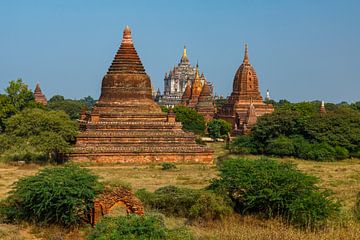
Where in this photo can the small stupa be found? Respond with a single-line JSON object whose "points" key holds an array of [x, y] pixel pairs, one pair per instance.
{"points": [[39, 96]]}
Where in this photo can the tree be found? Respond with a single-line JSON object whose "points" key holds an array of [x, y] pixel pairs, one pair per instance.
{"points": [[190, 119], [71, 107], [89, 101], [40, 132], [218, 128]]}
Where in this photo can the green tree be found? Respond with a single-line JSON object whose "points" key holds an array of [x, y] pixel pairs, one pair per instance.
{"points": [[190, 119], [218, 128], [71, 107], [47, 133]]}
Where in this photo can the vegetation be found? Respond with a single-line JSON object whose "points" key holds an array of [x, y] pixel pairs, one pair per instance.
{"points": [[218, 128], [357, 207], [190, 119], [300, 130], [198, 205], [136, 227], [168, 166], [37, 135], [57, 195], [273, 189]]}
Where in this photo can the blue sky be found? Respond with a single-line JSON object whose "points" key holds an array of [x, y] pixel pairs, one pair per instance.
{"points": [[301, 50]]}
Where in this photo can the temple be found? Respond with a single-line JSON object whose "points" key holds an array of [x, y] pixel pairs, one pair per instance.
{"points": [[176, 79], [39, 96], [126, 125], [245, 103]]}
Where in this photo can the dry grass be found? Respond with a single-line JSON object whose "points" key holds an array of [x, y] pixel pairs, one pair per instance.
{"points": [[342, 177]]}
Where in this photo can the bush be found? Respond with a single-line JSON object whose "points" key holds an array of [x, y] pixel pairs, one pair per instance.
{"points": [[218, 128], [57, 195], [281, 146], [135, 227], [182, 202], [190, 119], [168, 166], [243, 144], [271, 189]]}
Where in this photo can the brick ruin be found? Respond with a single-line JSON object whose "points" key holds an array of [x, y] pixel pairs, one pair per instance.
{"points": [[110, 199], [245, 103], [39, 96], [126, 125]]}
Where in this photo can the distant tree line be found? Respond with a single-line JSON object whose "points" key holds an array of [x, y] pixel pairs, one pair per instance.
{"points": [[300, 130]]}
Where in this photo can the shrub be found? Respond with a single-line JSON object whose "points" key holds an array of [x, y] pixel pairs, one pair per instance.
{"points": [[243, 144], [341, 152], [272, 189], [281, 146], [135, 227], [190, 119], [57, 195], [168, 166], [321, 152], [182, 202], [218, 128]]}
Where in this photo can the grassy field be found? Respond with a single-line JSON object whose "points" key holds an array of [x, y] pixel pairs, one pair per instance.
{"points": [[342, 177]]}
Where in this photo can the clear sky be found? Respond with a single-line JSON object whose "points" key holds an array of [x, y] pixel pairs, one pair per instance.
{"points": [[302, 50]]}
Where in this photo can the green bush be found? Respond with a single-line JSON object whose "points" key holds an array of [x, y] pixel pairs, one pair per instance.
{"points": [[133, 227], [57, 195], [218, 128], [199, 205], [271, 189], [243, 144], [190, 119], [168, 166], [281, 146]]}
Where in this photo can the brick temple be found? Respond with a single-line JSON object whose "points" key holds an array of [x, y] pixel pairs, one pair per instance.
{"points": [[245, 103], [39, 96], [126, 125]]}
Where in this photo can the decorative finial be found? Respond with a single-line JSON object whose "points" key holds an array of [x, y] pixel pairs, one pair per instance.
{"points": [[127, 39], [246, 56], [322, 108], [184, 52], [267, 94]]}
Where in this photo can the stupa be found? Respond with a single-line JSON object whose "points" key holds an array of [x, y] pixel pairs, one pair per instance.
{"points": [[126, 125], [39, 96], [205, 105], [245, 103]]}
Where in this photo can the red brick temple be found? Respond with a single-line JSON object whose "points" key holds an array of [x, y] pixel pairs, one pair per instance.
{"points": [[245, 103], [205, 105], [126, 125], [39, 96]]}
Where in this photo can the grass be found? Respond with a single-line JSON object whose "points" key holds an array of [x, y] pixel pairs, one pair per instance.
{"points": [[342, 177]]}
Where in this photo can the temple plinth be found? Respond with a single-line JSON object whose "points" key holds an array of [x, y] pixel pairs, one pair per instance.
{"points": [[126, 125], [39, 96], [245, 103]]}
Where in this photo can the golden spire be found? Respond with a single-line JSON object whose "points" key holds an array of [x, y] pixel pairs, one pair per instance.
{"points": [[184, 53], [197, 71], [246, 56]]}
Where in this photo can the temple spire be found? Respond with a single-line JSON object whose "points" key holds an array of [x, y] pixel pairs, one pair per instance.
{"points": [[184, 52], [127, 39], [184, 58], [246, 56]]}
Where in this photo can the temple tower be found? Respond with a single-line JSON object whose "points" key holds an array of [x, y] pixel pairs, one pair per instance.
{"points": [[245, 95], [196, 88], [205, 105], [126, 125], [39, 96]]}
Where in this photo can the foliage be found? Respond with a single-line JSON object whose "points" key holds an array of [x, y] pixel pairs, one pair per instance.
{"points": [[136, 227], [218, 128], [300, 130], [37, 132], [190, 119], [57, 195], [183, 202], [271, 189], [18, 97], [168, 166], [71, 107]]}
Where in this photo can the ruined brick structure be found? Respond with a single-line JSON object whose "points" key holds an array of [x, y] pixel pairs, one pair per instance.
{"points": [[126, 125], [245, 103], [39, 96], [110, 199]]}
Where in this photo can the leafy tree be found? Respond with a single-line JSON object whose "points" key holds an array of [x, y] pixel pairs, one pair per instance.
{"points": [[38, 131], [190, 119], [56, 98], [218, 128], [270, 189], [89, 101], [71, 107], [57, 195], [281, 146]]}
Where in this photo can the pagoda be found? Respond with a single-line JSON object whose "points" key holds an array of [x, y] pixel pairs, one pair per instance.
{"points": [[205, 105], [126, 125], [39, 96], [245, 103]]}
